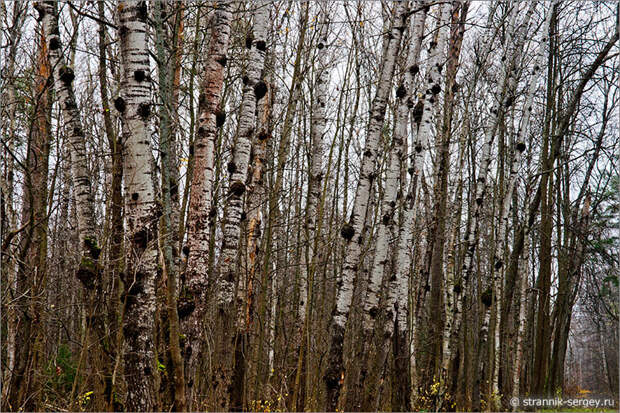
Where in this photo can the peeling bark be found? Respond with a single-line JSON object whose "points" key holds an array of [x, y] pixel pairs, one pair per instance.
{"points": [[192, 300]]}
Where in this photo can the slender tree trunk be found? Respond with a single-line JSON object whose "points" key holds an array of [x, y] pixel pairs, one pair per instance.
{"points": [[229, 271], [88, 272], [558, 137], [141, 209], [373, 363], [314, 206], [169, 243], [114, 265], [192, 304], [9, 215], [25, 387], [515, 164], [352, 231], [458, 16]]}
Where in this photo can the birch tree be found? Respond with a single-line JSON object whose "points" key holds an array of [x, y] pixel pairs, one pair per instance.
{"points": [[141, 210], [352, 232], [192, 301]]}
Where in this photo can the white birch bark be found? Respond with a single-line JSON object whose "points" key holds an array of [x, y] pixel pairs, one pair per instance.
{"points": [[523, 286], [397, 300], [506, 85], [397, 156], [316, 162], [141, 212], [353, 230], [8, 123], [459, 286], [254, 90], [63, 77], [515, 165], [192, 301]]}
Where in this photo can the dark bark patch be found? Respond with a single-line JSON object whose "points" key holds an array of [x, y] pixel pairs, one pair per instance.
{"points": [[245, 80], [174, 189], [237, 188], [66, 75], [87, 272], [418, 148], [93, 249], [134, 196], [457, 288], [220, 118], [202, 101], [373, 312], [479, 201], [320, 46], [261, 45], [122, 31], [222, 60], [520, 146], [436, 89], [144, 110], [499, 264], [386, 219], [119, 104], [232, 167], [77, 131], [414, 69], [139, 75], [54, 43], [185, 250], [243, 216], [260, 89], [185, 308], [418, 110], [263, 135], [487, 297], [401, 91], [248, 41], [140, 239], [41, 10], [136, 288], [347, 231], [142, 11], [70, 104]]}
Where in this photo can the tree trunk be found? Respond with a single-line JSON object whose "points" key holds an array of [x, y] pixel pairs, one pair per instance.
{"points": [[192, 301], [169, 185], [141, 210], [352, 231], [25, 387], [314, 206], [229, 272]]}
